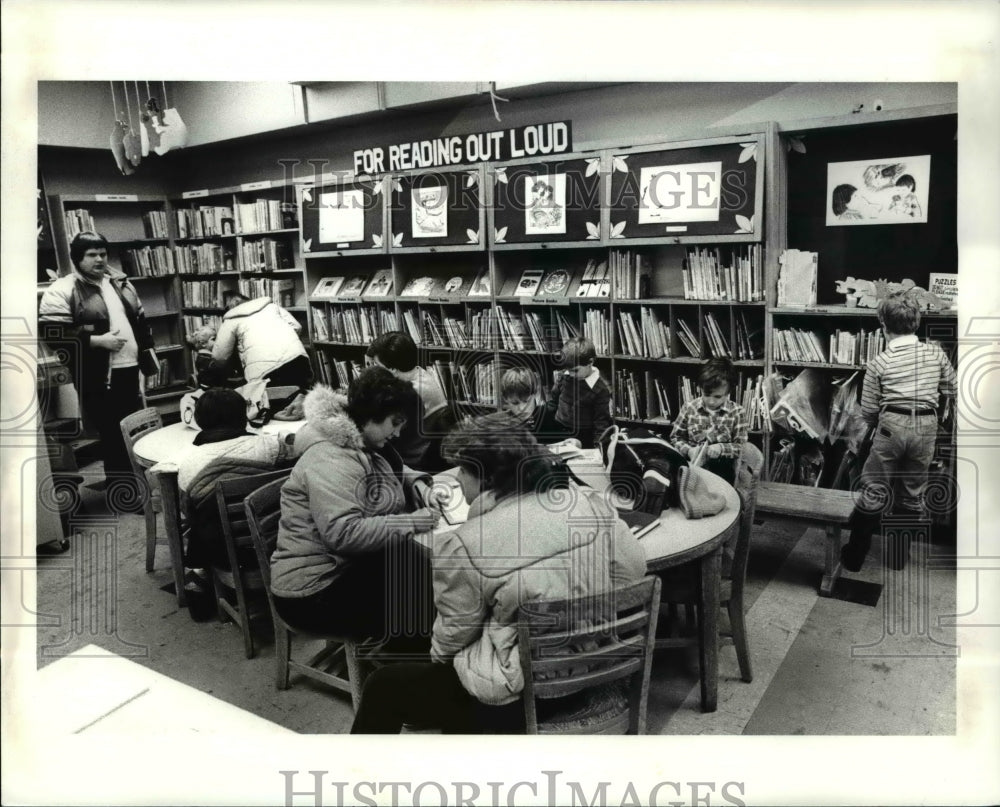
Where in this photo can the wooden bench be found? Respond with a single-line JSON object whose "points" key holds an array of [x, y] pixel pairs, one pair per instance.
{"points": [[831, 508]]}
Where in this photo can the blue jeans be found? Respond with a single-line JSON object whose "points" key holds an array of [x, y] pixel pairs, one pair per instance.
{"points": [[893, 478]]}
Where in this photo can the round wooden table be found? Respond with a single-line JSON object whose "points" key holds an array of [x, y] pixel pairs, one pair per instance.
{"points": [[678, 540], [161, 451]]}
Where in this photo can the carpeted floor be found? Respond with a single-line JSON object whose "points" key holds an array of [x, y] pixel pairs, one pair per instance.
{"points": [[875, 661]]}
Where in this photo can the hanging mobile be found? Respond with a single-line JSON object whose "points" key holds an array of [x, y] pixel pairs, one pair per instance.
{"points": [[173, 133], [151, 120], [133, 148], [143, 132], [118, 131]]}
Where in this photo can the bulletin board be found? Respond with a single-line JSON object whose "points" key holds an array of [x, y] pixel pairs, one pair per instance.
{"points": [[556, 201], [343, 216], [882, 239], [693, 191], [436, 208]]}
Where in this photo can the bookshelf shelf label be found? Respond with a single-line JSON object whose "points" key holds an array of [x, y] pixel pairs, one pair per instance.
{"points": [[116, 197], [194, 194], [256, 186]]}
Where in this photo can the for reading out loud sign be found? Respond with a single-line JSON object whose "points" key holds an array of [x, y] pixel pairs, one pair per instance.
{"points": [[504, 144]]}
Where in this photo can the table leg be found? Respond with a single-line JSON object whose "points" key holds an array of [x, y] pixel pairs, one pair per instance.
{"points": [[170, 494], [708, 638], [833, 567]]}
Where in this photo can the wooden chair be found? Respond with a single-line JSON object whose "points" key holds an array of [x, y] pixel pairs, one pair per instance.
{"points": [[586, 661], [680, 586], [133, 427], [263, 510], [243, 576]]}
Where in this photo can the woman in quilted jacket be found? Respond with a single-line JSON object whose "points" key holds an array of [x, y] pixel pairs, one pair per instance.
{"points": [[532, 534]]}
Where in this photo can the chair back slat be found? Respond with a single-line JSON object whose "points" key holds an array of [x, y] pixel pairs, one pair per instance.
{"points": [[586, 645], [263, 510], [230, 494], [137, 425]]}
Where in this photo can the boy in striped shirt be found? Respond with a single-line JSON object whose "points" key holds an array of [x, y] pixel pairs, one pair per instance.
{"points": [[900, 397]]}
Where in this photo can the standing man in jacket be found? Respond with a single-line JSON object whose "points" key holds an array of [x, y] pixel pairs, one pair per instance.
{"points": [[96, 315]]}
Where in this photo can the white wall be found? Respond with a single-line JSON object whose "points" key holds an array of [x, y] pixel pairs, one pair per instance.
{"points": [[80, 113]]}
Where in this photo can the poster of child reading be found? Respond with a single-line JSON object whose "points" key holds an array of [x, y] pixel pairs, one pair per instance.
{"points": [[429, 217], [891, 190], [545, 212]]}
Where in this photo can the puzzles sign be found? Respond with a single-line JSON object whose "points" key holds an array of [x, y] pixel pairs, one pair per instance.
{"points": [[536, 140]]}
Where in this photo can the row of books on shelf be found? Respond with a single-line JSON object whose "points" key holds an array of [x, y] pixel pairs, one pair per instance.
{"points": [[192, 322], [330, 288], [161, 379], [201, 222], [352, 325], [203, 294], [641, 395], [203, 259], [630, 272], [78, 221], [840, 347], [154, 224], [337, 373], [265, 255], [597, 328], [281, 291], [594, 282], [148, 261], [471, 383], [262, 215], [707, 277]]}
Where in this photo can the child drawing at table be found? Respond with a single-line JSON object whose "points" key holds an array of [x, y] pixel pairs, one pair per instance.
{"points": [[712, 428]]}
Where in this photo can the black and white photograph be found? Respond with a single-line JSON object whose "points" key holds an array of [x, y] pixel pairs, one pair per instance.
{"points": [[316, 494]]}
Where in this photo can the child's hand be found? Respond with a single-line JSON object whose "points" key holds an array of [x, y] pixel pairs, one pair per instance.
{"points": [[425, 520], [714, 451]]}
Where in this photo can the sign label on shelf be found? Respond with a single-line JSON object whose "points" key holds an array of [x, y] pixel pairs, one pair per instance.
{"points": [[116, 197], [194, 194], [256, 186]]}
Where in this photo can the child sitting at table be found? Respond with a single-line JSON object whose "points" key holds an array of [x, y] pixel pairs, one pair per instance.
{"points": [[582, 398], [224, 450], [519, 398], [712, 427]]}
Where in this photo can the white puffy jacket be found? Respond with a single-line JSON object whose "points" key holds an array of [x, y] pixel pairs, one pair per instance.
{"points": [[263, 334]]}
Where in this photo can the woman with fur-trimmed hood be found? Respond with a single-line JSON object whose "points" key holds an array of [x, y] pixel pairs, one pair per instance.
{"points": [[348, 517]]}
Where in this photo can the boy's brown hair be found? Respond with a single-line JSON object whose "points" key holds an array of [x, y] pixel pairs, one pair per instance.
{"points": [[518, 384], [578, 351], [899, 313]]}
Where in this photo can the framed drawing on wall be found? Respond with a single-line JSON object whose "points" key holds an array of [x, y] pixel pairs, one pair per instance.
{"points": [[556, 201], [341, 216], [439, 209], [709, 190]]}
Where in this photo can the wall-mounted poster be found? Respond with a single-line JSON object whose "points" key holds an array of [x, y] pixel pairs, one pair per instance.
{"points": [[679, 193], [430, 212], [893, 190], [545, 213], [341, 216]]}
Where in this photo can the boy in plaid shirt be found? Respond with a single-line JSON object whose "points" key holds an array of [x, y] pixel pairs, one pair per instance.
{"points": [[900, 399], [713, 419]]}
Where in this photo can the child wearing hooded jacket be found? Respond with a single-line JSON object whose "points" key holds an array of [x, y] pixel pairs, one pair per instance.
{"points": [[515, 547], [266, 338], [348, 518]]}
